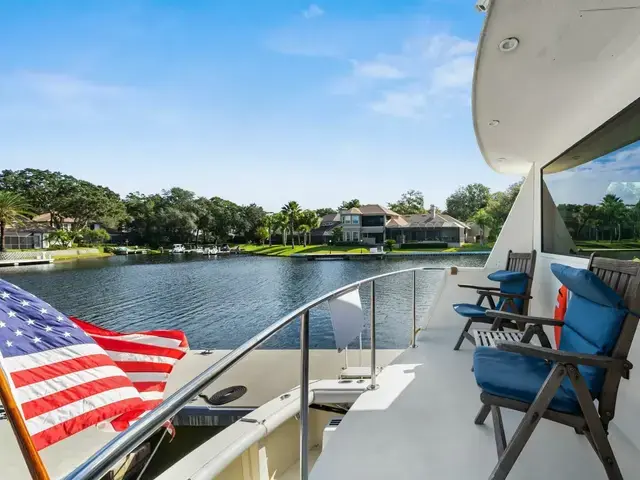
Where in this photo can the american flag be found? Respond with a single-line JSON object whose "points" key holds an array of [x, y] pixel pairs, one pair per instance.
{"points": [[63, 380], [146, 357]]}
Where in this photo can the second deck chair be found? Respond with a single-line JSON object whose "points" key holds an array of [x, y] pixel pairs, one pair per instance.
{"points": [[512, 294], [562, 385]]}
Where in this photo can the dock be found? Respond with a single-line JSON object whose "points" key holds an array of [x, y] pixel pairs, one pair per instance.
{"points": [[27, 261]]}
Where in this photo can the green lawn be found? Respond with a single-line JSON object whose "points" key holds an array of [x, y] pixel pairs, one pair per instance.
{"points": [[285, 251], [606, 245]]}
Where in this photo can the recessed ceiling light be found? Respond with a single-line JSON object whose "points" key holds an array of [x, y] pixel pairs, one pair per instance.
{"points": [[494, 123], [509, 44]]}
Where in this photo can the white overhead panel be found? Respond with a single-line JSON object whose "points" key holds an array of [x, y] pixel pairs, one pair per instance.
{"points": [[549, 72]]}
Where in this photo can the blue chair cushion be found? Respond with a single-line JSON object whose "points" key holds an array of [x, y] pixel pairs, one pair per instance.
{"points": [[593, 319], [507, 276], [470, 310], [511, 282], [518, 377], [586, 284]]}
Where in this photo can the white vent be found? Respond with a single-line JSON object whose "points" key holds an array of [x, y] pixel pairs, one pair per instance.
{"points": [[331, 427]]}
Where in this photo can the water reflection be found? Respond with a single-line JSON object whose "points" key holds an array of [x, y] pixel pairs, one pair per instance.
{"points": [[221, 302]]}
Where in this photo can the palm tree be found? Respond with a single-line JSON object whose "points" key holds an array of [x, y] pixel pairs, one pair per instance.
{"points": [[613, 210], [13, 211], [292, 211], [309, 220], [304, 228], [269, 222], [279, 223]]}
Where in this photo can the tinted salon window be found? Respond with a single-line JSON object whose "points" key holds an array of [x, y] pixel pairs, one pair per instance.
{"points": [[591, 193]]}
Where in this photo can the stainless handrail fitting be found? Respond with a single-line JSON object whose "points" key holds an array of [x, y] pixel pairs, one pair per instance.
{"points": [[106, 457]]}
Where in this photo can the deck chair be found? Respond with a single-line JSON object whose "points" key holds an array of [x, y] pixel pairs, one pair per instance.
{"points": [[513, 294], [562, 385]]}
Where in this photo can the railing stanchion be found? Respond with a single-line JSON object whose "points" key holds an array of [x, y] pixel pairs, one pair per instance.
{"points": [[413, 313], [304, 395], [372, 315]]}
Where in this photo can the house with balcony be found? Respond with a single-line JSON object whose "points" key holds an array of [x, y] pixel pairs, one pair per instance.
{"points": [[373, 224]]}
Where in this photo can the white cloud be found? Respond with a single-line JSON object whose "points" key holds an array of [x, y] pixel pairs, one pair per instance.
{"points": [[377, 70], [312, 11], [400, 104], [430, 70]]}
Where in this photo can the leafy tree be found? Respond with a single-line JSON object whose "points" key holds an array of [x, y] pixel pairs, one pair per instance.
{"points": [[346, 205], [337, 234], [44, 191], [321, 212], [292, 212], [61, 237], [390, 243], [262, 233], [14, 211], [466, 201], [500, 205], [252, 217], [483, 219], [410, 202], [305, 229], [99, 235]]}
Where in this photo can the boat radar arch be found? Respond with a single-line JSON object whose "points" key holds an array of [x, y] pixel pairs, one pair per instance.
{"points": [[548, 73]]}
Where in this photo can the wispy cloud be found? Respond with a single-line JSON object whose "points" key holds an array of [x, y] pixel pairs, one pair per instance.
{"points": [[426, 71], [377, 69], [312, 11]]}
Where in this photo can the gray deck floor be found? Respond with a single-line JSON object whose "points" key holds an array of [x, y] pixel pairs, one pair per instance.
{"points": [[419, 425]]}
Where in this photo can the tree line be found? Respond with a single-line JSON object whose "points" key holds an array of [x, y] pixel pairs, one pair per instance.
{"points": [[180, 216]]}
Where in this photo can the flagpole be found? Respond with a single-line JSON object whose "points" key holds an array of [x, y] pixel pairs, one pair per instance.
{"points": [[29, 452]]}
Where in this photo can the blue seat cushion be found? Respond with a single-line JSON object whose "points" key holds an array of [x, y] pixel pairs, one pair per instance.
{"points": [[518, 377], [470, 310]]}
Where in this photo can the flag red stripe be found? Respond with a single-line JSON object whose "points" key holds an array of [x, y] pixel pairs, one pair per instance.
{"points": [[150, 386], [124, 346], [53, 370], [74, 425], [59, 399], [124, 421], [95, 330], [145, 367]]}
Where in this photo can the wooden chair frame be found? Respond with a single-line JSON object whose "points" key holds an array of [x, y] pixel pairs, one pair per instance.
{"points": [[516, 262], [624, 277]]}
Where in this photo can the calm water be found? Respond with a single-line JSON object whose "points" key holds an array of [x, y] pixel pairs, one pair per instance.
{"points": [[221, 302]]}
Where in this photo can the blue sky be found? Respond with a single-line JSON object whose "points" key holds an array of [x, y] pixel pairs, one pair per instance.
{"points": [[262, 101]]}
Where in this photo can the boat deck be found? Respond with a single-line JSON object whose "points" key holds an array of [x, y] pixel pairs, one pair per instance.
{"points": [[265, 373], [419, 425]]}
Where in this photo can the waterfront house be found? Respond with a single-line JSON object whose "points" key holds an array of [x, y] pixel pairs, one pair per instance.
{"points": [[324, 232], [373, 224], [30, 235], [45, 219]]}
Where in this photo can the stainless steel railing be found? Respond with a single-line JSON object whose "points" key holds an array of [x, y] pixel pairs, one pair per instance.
{"points": [[105, 458]]}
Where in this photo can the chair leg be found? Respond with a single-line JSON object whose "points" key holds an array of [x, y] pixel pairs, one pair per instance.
{"points": [[464, 334], [596, 431], [528, 424], [498, 430], [482, 414]]}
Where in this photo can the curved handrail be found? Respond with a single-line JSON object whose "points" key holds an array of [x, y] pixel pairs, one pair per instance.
{"points": [[105, 458]]}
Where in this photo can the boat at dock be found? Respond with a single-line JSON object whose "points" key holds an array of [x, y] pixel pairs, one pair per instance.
{"points": [[556, 99]]}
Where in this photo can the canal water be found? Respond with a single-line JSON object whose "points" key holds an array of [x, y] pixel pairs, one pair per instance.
{"points": [[221, 302]]}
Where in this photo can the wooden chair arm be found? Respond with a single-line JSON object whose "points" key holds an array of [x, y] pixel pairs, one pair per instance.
{"points": [[504, 295], [476, 287], [561, 356], [524, 318]]}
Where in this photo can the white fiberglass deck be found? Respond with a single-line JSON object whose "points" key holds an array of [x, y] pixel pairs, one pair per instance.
{"points": [[419, 424]]}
